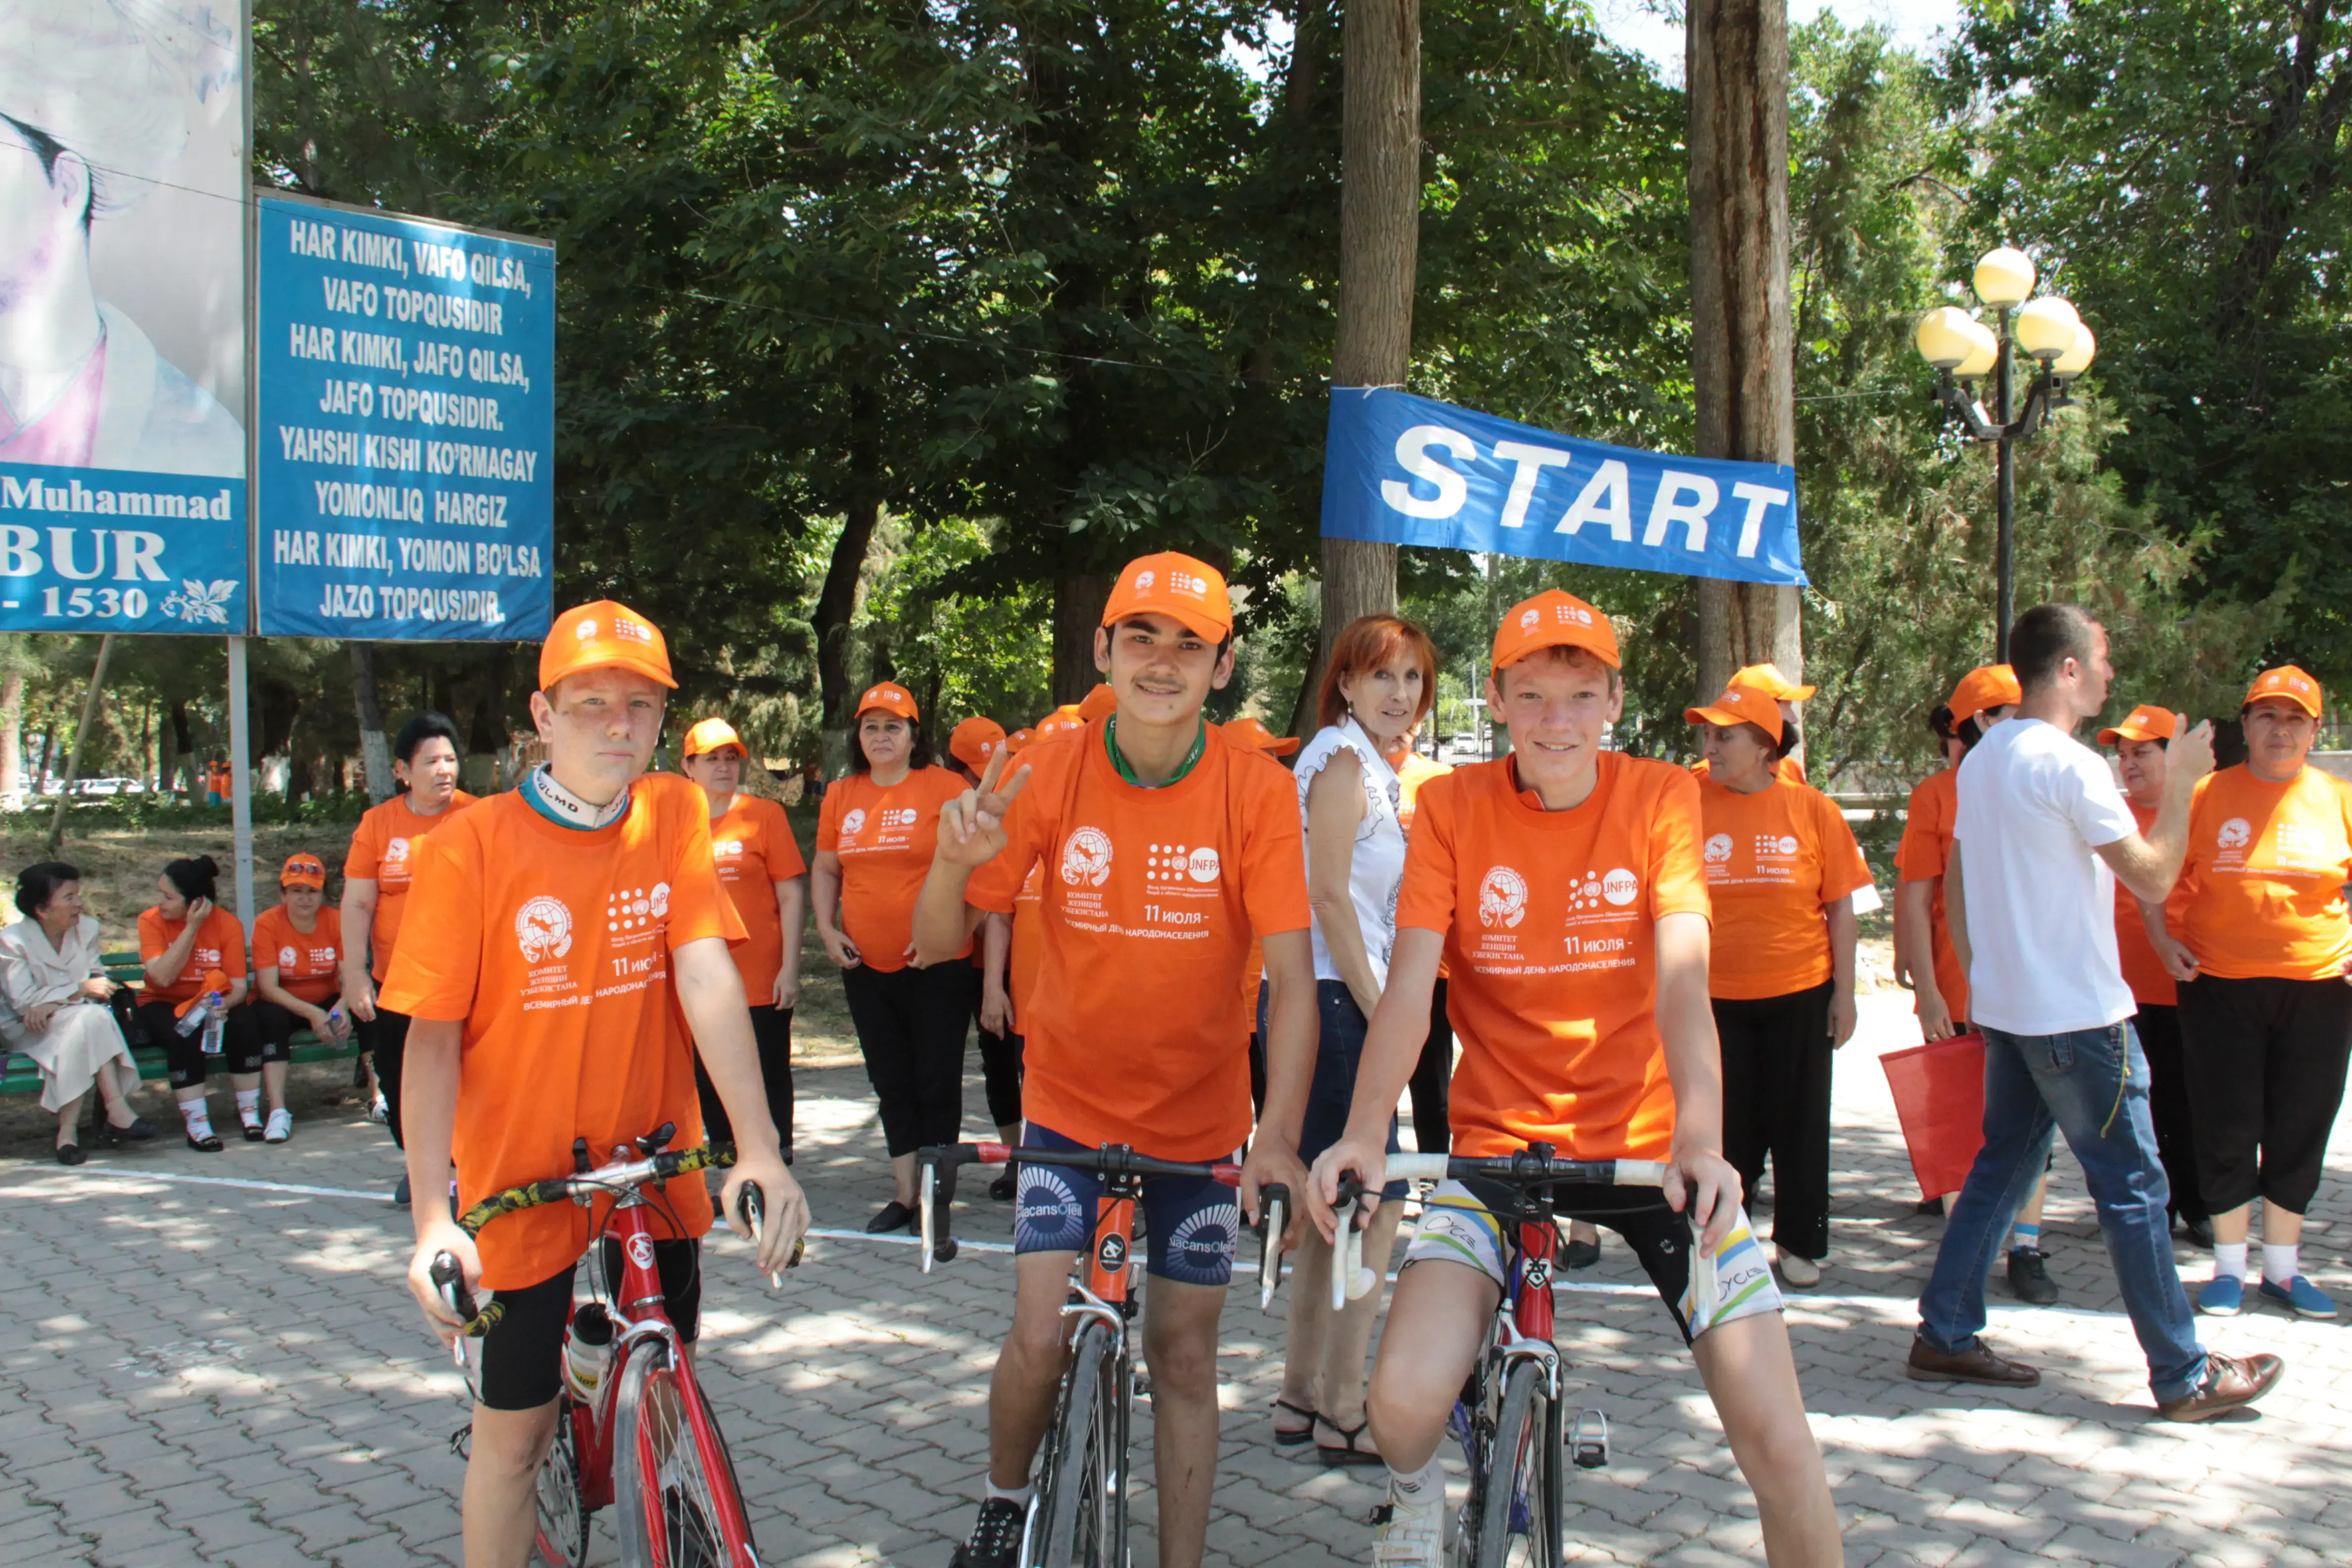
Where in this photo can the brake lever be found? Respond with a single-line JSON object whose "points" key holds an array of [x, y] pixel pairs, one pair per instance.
{"points": [[449, 1281], [1274, 1220], [1349, 1279], [752, 1205], [928, 1185]]}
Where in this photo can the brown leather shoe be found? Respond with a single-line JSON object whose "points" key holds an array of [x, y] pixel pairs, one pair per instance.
{"points": [[1929, 1364], [2230, 1380]]}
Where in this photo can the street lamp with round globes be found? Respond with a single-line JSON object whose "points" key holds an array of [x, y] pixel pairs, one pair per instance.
{"points": [[1964, 350]]}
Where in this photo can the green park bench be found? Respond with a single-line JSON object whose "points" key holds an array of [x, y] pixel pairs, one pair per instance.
{"points": [[21, 1077]]}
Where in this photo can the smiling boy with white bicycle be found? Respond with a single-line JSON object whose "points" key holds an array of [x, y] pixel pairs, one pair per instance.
{"points": [[557, 938], [1563, 887]]}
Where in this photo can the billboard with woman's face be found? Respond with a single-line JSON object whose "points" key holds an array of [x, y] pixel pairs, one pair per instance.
{"points": [[122, 214]]}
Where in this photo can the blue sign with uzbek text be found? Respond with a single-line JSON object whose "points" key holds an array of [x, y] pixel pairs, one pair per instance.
{"points": [[1403, 469], [406, 464]]}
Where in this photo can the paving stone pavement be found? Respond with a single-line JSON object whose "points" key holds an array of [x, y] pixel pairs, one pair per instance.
{"points": [[209, 1374]]}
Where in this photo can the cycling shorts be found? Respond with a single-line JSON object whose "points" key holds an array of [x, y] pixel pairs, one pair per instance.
{"points": [[521, 1358], [1462, 1222], [1191, 1223]]}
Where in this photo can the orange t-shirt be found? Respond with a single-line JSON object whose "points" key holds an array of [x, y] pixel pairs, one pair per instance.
{"points": [[1788, 770], [308, 967], [1413, 771], [1550, 920], [1774, 861], [885, 838], [220, 944], [552, 945], [2151, 983], [2263, 890], [381, 849], [1927, 848], [1135, 1029], [754, 848], [1026, 950]]}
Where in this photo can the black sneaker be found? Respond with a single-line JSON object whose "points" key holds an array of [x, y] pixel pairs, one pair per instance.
{"points": [[995, 1539], [2028, 1280], [400, 1193], [1004, 1189], [1581, 1253]]}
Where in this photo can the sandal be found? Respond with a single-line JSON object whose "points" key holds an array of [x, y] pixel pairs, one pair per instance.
{"points": [[1302, 1435], [1345, 1452]]}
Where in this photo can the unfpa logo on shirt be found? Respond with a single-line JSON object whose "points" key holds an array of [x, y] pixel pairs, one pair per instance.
{"points": [[727, 848], [637, 908], [1180, 863], [1617, 888], [900, 817], [1769, 846]]}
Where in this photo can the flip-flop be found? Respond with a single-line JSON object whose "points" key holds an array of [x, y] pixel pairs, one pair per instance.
{"points": [[1345, 1453], [1301, 1438]]}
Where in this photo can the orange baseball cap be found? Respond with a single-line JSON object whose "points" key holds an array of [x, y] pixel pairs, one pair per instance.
{"points": [[2145, 722], [1168, 584], [1061, 719], [1255, 735], [303, 871], [975, 740], [1987, 686], [1554, 619], [604, 635], [1744, 701], [1020, 739], [891, 698], [1769, 677], [712, 735], [1098, 702], [2287, 681], [214, 981]]}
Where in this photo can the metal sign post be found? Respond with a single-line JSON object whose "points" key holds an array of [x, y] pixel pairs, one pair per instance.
{"points": [[240, 747]]}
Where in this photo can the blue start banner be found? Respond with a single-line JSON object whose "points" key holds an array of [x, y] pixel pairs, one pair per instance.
{"points": [[405, 457], [105, 550], [1401, 469]]}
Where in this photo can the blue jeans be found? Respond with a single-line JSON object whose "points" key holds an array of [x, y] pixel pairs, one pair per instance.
{"points": [[2091, 1084]]}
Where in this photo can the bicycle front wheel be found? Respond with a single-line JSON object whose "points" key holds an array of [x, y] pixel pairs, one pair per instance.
{"points": [[562, 1539], [1519, 1523], [680, 1507], [1080, 1485]]}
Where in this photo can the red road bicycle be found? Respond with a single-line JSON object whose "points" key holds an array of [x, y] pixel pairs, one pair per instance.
{"points": [[1509, 1419], [645, 1437], [1077, 1515]]}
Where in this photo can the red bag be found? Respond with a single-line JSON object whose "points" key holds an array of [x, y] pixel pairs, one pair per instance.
{"points": [[1939, 1097]]}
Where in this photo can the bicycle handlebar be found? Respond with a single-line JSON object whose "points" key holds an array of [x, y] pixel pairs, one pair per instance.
{"points": [[581, 1187]]}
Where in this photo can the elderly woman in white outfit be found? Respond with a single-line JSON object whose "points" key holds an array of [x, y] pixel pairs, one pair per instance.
{"points": [[55, 989], [1381, 681]]}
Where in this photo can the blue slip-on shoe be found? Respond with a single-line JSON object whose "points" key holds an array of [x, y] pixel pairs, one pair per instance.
{"points": [[2299, 1296], [2222, 1296]]}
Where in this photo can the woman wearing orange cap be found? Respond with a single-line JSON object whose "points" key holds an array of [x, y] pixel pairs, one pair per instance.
{"points": [[297, 959], [874, 839], [193, 951], [760, 865], [1923, 937], [1782, 869], [2257, 934], [1379, 684], [2140, 743]]}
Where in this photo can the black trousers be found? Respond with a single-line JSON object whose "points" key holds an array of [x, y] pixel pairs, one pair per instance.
{"points": [[385, 1037], [999, 1063], [910, 1025], [772, 1031], [277, 1028], [240, 1043], [2158, 1028], [1776, 1101], [1433, 1076], [2265, 1061]]}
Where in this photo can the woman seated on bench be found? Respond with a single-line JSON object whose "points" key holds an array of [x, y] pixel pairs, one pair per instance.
{"points": [[56, 991], [183, 940], [297, 960]]}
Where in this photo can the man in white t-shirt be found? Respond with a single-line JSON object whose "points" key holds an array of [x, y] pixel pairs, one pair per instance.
{"points": [[2044, 834]]}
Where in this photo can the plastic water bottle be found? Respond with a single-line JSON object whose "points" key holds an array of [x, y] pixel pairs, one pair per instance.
{"points": [[335, 1022], [190, 1022], [215, 1025], [587, 1351]]}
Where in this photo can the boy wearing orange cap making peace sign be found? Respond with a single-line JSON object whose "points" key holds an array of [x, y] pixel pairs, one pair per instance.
{"points": [[1164, 843], [561, 940]]}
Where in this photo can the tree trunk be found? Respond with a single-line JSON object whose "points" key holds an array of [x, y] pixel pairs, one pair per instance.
{"points": [[1079, 595], [171, 741], [375, 750], [1742, 363], [1380, 237], [49, 746], [82, 731], [836, 602], [11, 738]]}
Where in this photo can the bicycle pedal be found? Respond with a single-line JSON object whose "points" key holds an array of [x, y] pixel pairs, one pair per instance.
{"points": [[1588, 1441]]}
